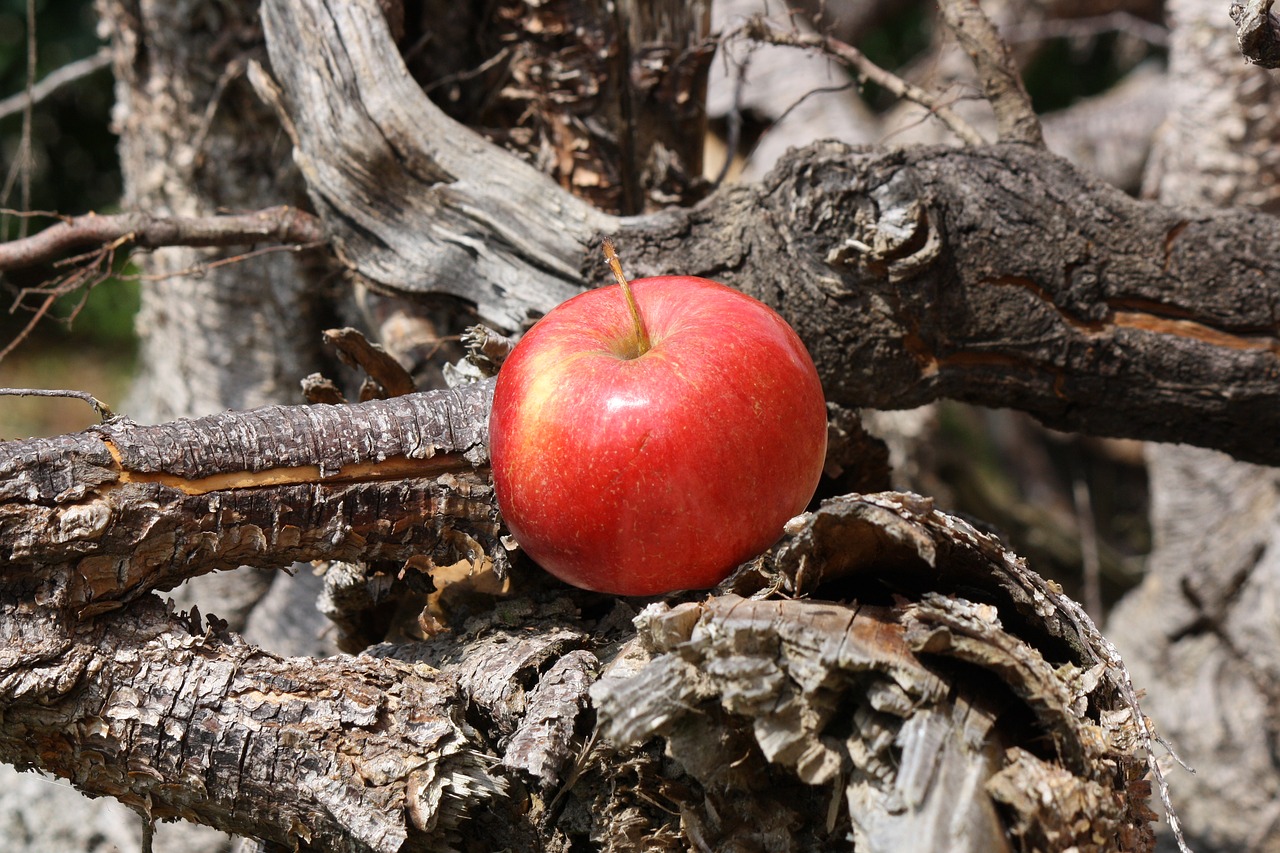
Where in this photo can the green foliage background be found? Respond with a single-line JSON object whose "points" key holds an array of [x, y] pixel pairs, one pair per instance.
{"points": [[72, 169]]}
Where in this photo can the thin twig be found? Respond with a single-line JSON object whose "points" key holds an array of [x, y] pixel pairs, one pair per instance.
{"points": [[21, 167], [83, 277], [293, 229], [104, 411], [201, 269], [1001, 80], [233, 70], [53, 81], [1091, 562], [27, 118], [280, 224], [468, 74], [1096, 25], [760, 29]]}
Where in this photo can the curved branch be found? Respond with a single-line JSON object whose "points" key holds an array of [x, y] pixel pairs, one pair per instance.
{"points": [[1004, 277], [440, 209], [776, 709], [762, 29], [1001, 79], [907, 272]]}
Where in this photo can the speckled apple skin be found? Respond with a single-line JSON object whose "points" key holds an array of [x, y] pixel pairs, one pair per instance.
{"points": [[639, 476]]}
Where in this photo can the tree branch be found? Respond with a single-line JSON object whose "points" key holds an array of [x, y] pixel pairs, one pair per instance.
{"points": [[96, 519], [1001, 80], [905, 272], [54, 81], [1257, 32], [775, 709], [100, 408], [907, 275], [761, 29], [280, 224], [180, 722]]}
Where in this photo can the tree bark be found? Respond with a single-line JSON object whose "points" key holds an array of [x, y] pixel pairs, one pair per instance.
{"points": [[193, 143], [879, 704], [1198, 629], [212, 335], [905, 272], [191, 146], [959, 680], [182, 722], [93, 521]]}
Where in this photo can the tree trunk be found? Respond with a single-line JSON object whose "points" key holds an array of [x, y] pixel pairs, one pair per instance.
{"points": [[213, 336], [1200, 629]]}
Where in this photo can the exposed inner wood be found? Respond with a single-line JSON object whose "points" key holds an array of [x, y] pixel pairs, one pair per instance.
{"points": [[390, 469]]}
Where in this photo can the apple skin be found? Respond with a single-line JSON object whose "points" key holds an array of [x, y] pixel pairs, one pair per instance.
{"points": [[642, 475]]}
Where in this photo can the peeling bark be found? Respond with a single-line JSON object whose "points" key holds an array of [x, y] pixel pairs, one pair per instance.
{"points": [[93, 520], [924, 689], [958, 680], [879, 702], [179, 722]]}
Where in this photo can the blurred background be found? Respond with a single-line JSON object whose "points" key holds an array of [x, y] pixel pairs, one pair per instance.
{"points": [[71, 168]]}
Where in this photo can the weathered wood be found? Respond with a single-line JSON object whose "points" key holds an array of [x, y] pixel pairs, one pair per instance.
{"points": [[178, 721], [797, 721], [880, 702], [904, 271], [907, 276], [458, 216], [96, 519], [964, 674]]}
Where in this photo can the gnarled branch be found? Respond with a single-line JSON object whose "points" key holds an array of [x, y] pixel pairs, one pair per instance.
{"points": [[905, 272], [181, 722]]}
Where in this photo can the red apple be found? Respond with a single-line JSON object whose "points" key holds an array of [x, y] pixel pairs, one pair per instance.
{"points": [[636, 467]]}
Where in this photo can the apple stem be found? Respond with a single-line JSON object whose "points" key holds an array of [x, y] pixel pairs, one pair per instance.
{"points": [[642, 337]]}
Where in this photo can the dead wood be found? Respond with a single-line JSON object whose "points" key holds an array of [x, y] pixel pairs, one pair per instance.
{"points": [[904, 271], [185, 722], [281, 224], [1257, 32], [957, 681], [925, 688], [1133, 319], [93, 520], [878, 701], [999, 74], [923, 677]]}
